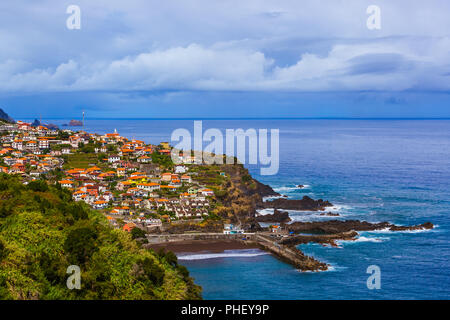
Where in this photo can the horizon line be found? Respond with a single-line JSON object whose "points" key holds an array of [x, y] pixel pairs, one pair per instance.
{"points": [[256, 118]]}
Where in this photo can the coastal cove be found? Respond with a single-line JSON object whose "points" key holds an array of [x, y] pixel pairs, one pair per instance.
{"points": [[396, 171]]}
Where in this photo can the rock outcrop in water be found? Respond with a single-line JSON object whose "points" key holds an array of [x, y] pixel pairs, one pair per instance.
{"points": [[277, 217], [75, 123], [339, 226], [305, 204]]}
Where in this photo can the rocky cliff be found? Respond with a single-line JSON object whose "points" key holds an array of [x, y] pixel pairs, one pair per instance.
{"points": [[5, 117]]}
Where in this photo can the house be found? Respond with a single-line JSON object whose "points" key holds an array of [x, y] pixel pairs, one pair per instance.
{"points": [[35, 173], [148, 186], [113, 158], [186, 179], [121, 172], [153, 223], [100, 204], [167, 176], [44, 143], [207, 192], [231, 229], [9, 161], [66, 183], [165, 145], [121, 210], [128, 227], [180, 169], [17, 168], [79, 195], [144, 159]]}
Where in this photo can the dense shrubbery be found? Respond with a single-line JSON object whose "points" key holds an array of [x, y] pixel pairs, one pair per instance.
{"points": [[42, 232], [137, 233], [162, 160]]}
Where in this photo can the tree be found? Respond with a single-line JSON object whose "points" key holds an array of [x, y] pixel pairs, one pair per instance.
{"points": [[77, 211], [38, 186], [153, 272], [137, 233], [80, 244]]}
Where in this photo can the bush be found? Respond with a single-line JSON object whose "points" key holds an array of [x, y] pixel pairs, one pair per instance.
{"points": [[153, 272], [38, 186], [77, 211], [171, 258], [3, 251], [80, 244], [6, 210], [137, 233]]}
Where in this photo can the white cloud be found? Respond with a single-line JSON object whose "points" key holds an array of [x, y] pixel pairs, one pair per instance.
{"points": [[224, 45], [389, 64]]}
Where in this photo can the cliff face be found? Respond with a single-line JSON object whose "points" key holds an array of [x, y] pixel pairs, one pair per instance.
{"points": [[5, 117], [242, 196]]}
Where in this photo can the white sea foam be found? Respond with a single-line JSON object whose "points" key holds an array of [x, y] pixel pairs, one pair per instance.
{"points": [[291, 188], [338, 208], [263, 212], [225, 254], [361, 238], [306, 216], [331, 268], [269, 198], [387, 230]]}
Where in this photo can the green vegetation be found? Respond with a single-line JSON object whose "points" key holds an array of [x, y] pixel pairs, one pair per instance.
{"points": [[80, 160], [42, 232], [162, 160]]}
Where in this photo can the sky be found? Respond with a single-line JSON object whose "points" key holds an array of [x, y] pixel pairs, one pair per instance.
{"points": [[225, 58]]}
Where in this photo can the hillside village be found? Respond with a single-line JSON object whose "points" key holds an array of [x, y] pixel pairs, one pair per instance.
{"points": [[133, 183]]}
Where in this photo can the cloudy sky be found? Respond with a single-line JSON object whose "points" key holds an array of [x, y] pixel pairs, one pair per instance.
{"points": [[225, 58]]}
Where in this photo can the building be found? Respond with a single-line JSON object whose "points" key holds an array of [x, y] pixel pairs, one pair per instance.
{"points": [[113, 158]]}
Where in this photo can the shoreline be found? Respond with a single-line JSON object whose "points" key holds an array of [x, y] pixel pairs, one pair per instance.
{"points": [[197, 246]]}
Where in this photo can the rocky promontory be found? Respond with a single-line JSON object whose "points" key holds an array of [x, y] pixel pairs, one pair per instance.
{"points": [[339, 226], [5, 117]]}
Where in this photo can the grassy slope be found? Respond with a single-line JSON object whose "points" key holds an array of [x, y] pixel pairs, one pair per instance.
{"points": [[42, 232]]}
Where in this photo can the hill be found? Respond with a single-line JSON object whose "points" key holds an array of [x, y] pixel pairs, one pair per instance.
{"points": [[42, 232], [5, 117]]}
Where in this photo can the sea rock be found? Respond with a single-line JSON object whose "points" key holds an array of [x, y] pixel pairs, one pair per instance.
{"points": [[338, 226], [300, 186], [52, 126], [265, 190], [75, 123], [304, 204], [277, 217], [329, 239], [424, 226], [330, 214]]}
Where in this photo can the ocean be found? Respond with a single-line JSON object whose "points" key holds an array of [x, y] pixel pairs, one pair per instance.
{"points": [[374, 170]]}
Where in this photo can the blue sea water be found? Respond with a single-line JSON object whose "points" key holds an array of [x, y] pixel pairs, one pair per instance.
{"points": [[374, 170]]}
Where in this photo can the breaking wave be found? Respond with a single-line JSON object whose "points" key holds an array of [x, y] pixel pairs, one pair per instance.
{"points": [[225, 254], [290, 188]]}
